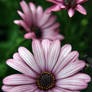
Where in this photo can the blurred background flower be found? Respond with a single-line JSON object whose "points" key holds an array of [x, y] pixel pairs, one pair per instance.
{"points": [[70, 5], [77, 31]]}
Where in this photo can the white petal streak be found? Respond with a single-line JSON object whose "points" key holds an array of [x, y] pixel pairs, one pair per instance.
{"points": [[18, 79], [71, 69], [28, 58], [53, 54], [38, 54], [65, 50]]}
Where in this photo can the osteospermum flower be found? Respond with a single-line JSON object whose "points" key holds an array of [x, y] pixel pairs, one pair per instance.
{"points": [[49, 69], [37, 23], [71, 5]]}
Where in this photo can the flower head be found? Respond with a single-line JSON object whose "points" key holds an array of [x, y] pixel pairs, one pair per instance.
{"points": [[50, 68], [37, 23], [71, 5]]}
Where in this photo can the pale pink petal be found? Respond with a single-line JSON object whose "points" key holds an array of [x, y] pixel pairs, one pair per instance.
{"points": [[37, 90], [62, 6], [56, 90], [72, 83], [21, 67], [65, 50], [82, 76], [27, 56], [80, 9], [39, 14], [71, 12], [23, 88], [21, 14], [53, 54], [27, 12], [33, 9], [30, 35], [53, 8], [18, 79], [17, 57], [81, 1], [46, 45], [24, 7], [38, 54], [44, 18], [50, 22], [71, 69], [57, 37], [59, 89], [69, 59], [53, 1], [7, 88], [22, 23], [51, 29], [53, 37]]}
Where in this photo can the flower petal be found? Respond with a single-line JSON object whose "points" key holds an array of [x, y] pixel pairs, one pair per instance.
{"points": [[21, 14], [72, 83], [7, 88], [81, 1], [30, 35], [65, 50], [21, 67], [39, 14], [46, 45], [70, 69], [53, 54], [27, 12], [69, 59], [23, 24], [23, 88], [18, 79], [45, 17], [50, 22], [53, 8], [71, 12], [33, 9], [28, 58], [53, 1], [82, 76], [80, 9], [38, 54]]}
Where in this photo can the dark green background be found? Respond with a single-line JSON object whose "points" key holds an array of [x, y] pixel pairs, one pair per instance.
{"points": [[77, 31]]}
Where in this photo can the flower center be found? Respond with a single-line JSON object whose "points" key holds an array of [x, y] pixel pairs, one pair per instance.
{"points": [[70, 2], [45, 81], [37, 31]]}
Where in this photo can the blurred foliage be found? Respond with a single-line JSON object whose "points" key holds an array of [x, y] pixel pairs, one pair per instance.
{"points": [[77, 31]]}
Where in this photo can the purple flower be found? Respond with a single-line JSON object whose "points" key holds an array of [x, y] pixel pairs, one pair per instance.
{"points": [[37, 23], [50, 69], [71, 5]]}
